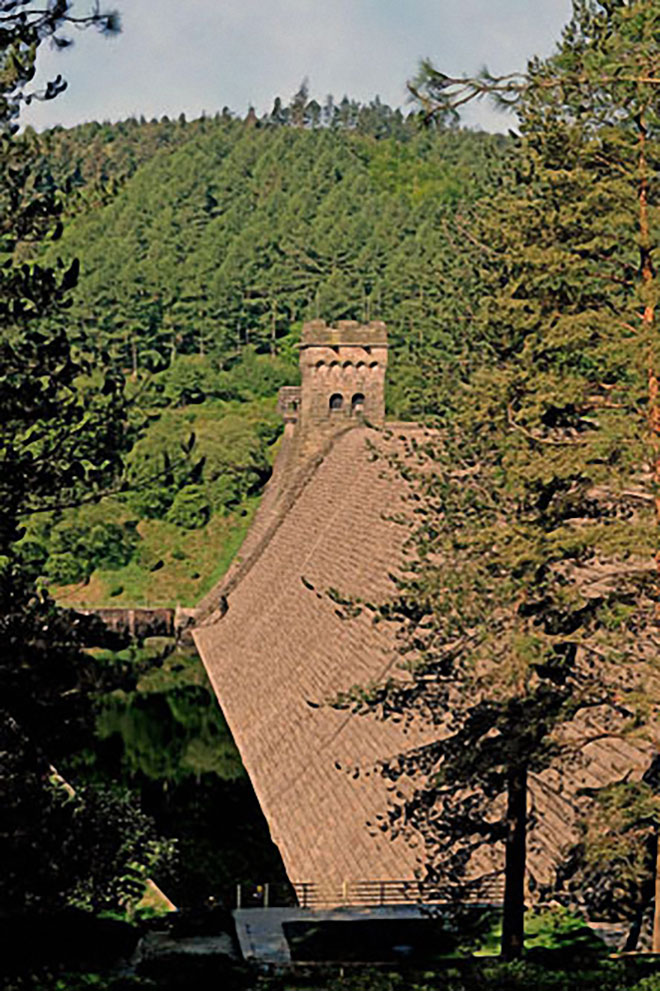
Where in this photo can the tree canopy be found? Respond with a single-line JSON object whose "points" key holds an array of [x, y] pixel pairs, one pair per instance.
{"points": [[60, 443], [535, 591]]}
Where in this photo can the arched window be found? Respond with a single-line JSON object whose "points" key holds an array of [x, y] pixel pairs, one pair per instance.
{"points": [[336, 400], [357, 403]]}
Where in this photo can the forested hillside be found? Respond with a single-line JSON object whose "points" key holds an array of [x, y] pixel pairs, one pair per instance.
{"points": [[92, 161], [519, 281], [216, 240]]}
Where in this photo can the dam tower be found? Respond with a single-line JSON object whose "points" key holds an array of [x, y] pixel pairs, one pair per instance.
{"points": [[342, 371]]}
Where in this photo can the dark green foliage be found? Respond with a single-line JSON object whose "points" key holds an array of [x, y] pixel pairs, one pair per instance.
{"points": [[227, 242], [61, 442], [198, 273], [488, 976], [70, 548], [58, 438], [89, 848], [191, 508], [534, 595], [231, 462], [194, 379]]}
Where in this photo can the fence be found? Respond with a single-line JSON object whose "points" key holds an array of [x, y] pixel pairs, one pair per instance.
{"points": [[313, 894], [135, 622]]}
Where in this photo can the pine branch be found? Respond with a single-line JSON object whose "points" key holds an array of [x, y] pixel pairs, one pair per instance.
{"points": [[540, 440]]}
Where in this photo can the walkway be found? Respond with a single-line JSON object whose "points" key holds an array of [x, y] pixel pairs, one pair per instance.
{"points": [[260, 931]]}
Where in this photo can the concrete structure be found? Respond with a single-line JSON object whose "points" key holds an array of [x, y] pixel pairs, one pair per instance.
{"points": [[138, 623], [274, 638], [261, 932], [284, 646], [289, 628]]}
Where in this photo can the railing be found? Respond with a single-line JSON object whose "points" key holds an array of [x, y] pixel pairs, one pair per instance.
{"points": [[314, 894], [273, 895]]}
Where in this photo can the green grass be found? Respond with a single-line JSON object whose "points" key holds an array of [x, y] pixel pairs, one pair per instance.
{"points": [[552, 928], [193, 561]]}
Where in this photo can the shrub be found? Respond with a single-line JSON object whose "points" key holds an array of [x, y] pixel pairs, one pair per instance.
{"points": [[70, 548], [225, 492], [651, 983], [66, 568], [190, 509], [151, 502], [34, 555], [110, 545]]}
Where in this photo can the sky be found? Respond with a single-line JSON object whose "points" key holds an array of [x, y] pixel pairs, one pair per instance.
{"points": [[197, 56]]}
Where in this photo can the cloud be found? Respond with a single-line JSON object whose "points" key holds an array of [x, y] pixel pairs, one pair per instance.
{"points": [[204, 54]]}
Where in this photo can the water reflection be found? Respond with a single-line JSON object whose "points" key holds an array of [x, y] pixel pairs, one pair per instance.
{"points": [[168, 741]]}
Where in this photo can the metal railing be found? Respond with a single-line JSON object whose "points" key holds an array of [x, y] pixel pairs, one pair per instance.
{"points": [[315, 894], [274, 895]]}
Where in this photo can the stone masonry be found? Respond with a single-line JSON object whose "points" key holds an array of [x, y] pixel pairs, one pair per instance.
{"points": [[343, 375], [278, 643]]}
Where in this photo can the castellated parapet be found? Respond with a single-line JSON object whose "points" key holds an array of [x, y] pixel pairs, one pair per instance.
{"points": [[343, 376]]}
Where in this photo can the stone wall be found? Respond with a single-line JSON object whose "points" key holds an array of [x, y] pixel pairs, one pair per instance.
{"points": [[343, 374], [137, 623]]}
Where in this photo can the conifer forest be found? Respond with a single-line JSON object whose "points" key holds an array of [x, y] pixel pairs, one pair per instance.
{"points": [[155, 276]]}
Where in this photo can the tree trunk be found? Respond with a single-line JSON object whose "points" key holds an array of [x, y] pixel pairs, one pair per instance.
{"points": [[648, 314], [513, 922], [655, 944], [648, 324], [647, 892]]}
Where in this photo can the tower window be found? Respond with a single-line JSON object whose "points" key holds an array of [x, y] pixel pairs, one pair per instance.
{"points": [[336, 401], [357, 403]]}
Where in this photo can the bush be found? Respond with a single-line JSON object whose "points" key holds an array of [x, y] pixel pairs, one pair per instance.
{"points": [[190, 380], [190, 508], [71, 547], [151, 502], [34, 555], [193, 379], [225, 492], [651, 983], [110, 545], [66, 568], [229, 460], [257, 376]]}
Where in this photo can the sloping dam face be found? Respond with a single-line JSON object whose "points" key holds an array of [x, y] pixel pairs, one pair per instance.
{"points": [[331, 528], [286, 644]]}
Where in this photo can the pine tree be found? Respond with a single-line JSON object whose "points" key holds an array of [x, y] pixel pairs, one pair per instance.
{"points": [[60, 442], [536, 594], [298, 105]]}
